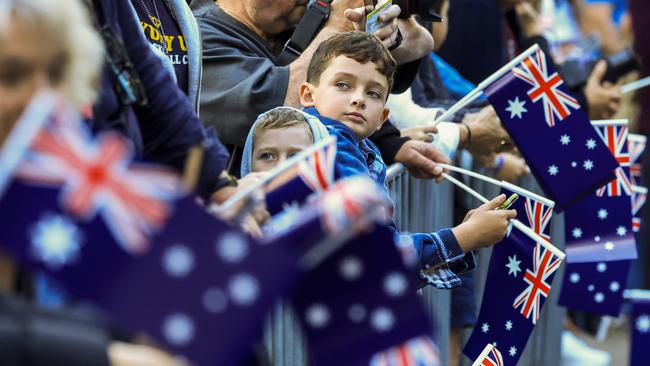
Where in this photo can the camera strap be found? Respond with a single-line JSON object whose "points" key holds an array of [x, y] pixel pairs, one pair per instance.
{"points": [[317, 13]]}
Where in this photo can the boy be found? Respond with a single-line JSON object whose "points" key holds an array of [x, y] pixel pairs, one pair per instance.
{"points": [[348, 82]]}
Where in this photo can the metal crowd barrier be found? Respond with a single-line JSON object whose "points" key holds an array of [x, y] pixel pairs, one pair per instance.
{"points": [[424, 206]]}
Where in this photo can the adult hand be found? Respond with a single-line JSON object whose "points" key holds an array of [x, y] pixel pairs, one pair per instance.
{"points": [[420, 133], [512, 168], [603, 97], [487, 134], [484, 226], [529, 19], [417, 41], [338, 18], [421, 158], [127, 354]]}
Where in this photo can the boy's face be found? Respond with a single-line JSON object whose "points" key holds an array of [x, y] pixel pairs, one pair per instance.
{"points": [[272, 147], [351, 93]]}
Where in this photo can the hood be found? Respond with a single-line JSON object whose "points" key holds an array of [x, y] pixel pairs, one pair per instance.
{"points": [[318, 131]]}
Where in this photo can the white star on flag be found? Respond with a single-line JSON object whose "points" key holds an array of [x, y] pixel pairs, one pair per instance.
{"points": [[609, 246], [513, 351], [643, 323], [56, 241], [602, 214], [588, 164], [509, 325], [591, 144], [516, 108], [621, 231], [565, 139], [577, 233], [485, 327], [513, 265], [553, 170]]}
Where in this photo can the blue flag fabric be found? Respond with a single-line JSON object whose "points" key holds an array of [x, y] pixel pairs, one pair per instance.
{"points": [[595, 287], [360, 301], [312, 175], [551, 131], [640, 329], [119, 235], [519, 281]]}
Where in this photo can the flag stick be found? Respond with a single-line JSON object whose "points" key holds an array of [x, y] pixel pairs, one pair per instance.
{"points": [[603, 328], [635, 85], [498, 183], [516, 223], [481, 357], [609, 122], [275, 172], [479, 89], [470, 173], [636, 294], [640, 189]]}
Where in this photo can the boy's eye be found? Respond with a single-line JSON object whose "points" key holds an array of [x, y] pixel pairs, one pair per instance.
{"points": [[342, 85], [374, 94], [266, 156]]}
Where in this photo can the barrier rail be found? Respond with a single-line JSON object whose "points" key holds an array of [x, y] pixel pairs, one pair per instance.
{"points": [[424, 206]]}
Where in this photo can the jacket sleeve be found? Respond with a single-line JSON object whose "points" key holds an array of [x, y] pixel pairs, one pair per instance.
{"points": [[168, 124], [442, 259], [388, 139]]}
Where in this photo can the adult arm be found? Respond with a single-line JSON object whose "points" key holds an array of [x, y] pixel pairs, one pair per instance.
{"points": [[595, 16]]}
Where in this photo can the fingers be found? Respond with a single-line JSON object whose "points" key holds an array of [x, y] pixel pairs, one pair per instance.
{"points": [[598, 72], [429, 129], [509, 214], [494, 203], [357, 17]]}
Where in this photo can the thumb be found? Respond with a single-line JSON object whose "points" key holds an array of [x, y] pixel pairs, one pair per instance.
{"points": [[598, 72], [510, 214], [355, 15], [495, 202]]}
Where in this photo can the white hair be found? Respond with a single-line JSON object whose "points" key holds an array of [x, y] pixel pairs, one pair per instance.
{"points": [[67, 24]]}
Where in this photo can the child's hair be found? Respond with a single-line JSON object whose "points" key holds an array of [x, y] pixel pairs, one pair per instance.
{"points": [[359, 46], [280, 118]]}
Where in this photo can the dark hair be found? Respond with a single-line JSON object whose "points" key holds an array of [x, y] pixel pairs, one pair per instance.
{"points": [[359, 46]]}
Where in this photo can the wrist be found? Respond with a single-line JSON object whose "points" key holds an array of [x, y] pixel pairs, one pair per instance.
{"points": [[465, 133], [465, 236]]}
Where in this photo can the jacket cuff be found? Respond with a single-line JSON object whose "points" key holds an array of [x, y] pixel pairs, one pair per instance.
{"points": [[389, 140]]}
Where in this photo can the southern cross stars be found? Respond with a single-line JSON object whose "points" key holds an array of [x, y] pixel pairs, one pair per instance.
{"points": [[513, 265], [553, 170], [512, 351], [565, 139], [643, 323], [509, 325], [576, 233], [588, 164], [602, 214], [621, 231], [591, 144], [485, 327], [516, 108]]}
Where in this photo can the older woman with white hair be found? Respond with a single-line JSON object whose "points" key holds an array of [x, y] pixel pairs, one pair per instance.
{"points": [[51, 45]]}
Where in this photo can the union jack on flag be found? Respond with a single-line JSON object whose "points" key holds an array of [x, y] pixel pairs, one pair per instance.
{"points": [[489, 357], [97, 178], [534, 71], [539, 216], [614, 135], [317, 170], [544, 265], [639, 195], [349, 199], [419, 351], [636, 146]]}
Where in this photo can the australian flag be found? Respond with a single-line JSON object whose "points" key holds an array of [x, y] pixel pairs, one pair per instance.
{"points": [[640, 329], [519, 281], [636, 144], [491, 356], [314, 173], [639, 196], [359, 305], [551, 131], [116, 234]]}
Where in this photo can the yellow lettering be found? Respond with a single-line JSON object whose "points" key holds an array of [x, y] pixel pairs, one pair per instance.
{"points": [[182, 42], [169, 40]]}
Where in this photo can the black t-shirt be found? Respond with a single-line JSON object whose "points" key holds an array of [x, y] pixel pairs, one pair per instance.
{"points": [[161, 29]]}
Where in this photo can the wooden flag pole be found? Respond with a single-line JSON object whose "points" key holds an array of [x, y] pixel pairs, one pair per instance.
{"points": [[484, 84], [276, 172], [516, 223]]}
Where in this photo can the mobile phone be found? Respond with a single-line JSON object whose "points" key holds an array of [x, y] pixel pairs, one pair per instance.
{"points": [[509, 202]]}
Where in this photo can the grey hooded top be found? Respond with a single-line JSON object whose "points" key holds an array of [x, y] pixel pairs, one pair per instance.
{"points": [[318, 131]]}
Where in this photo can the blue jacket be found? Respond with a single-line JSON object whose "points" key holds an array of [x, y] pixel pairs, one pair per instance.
{"points": [[439, 250], [165, 128]]}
